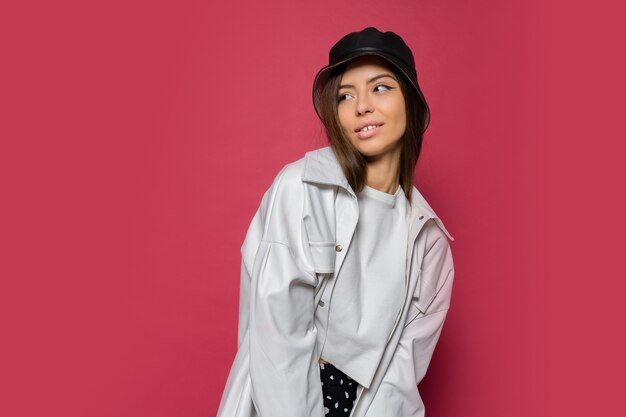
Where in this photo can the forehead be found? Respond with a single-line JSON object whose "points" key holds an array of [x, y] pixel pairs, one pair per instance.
{"points": [[366, 66]]}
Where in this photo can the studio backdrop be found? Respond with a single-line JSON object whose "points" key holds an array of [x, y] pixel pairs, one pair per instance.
{"points": [[138, 137]]}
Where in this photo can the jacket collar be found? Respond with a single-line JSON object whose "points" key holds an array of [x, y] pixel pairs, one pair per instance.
{"points": [[321, 166]]}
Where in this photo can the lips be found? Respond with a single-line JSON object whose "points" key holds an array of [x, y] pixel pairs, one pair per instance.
{"points": [[365, 124], [366, 134]]}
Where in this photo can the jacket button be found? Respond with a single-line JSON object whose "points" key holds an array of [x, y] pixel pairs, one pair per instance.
{"points": [[322, 303], [421, 217], [338, 248]]}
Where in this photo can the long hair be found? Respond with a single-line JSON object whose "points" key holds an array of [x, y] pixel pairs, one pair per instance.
{"points": [[352, 162]]}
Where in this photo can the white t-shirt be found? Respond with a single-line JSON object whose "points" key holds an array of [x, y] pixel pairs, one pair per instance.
{"points": [[374, 269]]}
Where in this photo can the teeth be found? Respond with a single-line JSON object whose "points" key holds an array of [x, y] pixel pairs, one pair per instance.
{"points": [[370, 127]]}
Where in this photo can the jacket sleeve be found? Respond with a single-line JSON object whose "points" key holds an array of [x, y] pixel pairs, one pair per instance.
{"points": [[249, 248], [284, 370], [422, 329]]}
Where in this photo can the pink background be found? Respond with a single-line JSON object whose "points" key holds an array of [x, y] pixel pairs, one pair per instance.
{"points": [[137, 138]]}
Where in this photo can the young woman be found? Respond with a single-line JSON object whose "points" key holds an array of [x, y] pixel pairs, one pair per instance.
{"points": [[346, 274]]}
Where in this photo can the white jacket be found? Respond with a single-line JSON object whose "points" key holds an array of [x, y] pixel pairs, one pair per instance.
{"points": [[296, 241]]}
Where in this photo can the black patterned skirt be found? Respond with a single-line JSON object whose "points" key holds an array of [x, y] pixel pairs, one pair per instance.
{"points": [[339, 391]]}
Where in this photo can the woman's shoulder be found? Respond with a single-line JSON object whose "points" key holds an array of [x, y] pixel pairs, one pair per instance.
{"points": [[282, 203], [290, 175], [285, 190], [425, 209]]}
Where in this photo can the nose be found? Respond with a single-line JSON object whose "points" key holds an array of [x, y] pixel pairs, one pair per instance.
{"points": [[363, 105]]}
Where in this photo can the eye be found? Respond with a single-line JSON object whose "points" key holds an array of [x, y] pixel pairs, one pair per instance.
{"points": [[384, 86], [341, 97]]}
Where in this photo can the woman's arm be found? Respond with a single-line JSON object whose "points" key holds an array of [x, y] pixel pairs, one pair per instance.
{"points": [[249, 249], [277, 307], [283, 362]]}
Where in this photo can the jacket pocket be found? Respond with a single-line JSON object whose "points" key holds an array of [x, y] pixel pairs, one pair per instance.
{"points": [[323, 254], [426, 297], [421, 301], [413, 313]]}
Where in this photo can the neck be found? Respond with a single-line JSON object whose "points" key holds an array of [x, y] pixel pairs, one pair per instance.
{"points": [[383, 172]]}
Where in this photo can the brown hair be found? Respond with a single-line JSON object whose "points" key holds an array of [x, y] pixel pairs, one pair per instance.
{"points": [[352, 162]]}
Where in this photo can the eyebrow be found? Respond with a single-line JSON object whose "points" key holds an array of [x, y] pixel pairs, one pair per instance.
{"points": [[371, 80]]}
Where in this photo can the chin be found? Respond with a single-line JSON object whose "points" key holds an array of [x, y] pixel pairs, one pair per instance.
{"points": [[369, 152], [372, 148]]}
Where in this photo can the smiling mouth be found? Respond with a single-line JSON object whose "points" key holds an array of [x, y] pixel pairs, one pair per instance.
{"points": [[368, 128], [368, 131]]}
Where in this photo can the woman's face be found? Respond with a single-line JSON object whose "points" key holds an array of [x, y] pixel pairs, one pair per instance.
{"points": [[369, 94]]}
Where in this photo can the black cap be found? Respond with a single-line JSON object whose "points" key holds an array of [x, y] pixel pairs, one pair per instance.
{"points": [[371, 41]]}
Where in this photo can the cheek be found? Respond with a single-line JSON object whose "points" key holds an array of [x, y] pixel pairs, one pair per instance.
{"points": [[343, 117], [400, 114]]}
